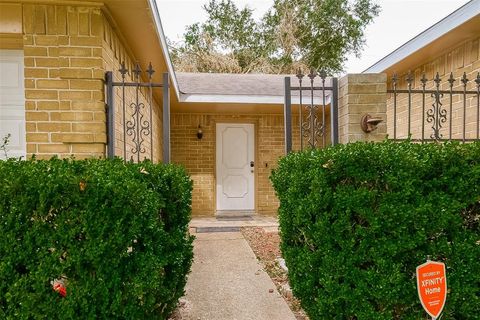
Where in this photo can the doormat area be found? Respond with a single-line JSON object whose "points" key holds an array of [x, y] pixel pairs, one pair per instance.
{"points": [[239, 218]]}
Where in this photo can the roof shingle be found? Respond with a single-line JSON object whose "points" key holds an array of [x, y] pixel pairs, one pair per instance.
{"points": [[238, 84]]}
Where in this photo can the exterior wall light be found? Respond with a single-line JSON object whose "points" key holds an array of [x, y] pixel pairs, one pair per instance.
{"points": [[369, 124], [199, 132]]}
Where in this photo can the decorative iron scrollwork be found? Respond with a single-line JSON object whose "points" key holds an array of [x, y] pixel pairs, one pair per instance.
{"points": [[437, 115], [138, 128], [312, 127]]}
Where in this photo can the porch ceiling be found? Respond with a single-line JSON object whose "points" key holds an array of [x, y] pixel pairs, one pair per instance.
{"points": [[137, 23]]}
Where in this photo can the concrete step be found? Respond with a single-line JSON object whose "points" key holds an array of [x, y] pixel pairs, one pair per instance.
{"points": [[231, 224], [216, 229]]}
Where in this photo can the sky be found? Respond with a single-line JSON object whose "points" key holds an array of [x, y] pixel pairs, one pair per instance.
{"points": [[398, 22]]}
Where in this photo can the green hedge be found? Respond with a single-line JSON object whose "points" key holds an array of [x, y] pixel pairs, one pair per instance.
{"points": [[357, 219], [118, 233]]}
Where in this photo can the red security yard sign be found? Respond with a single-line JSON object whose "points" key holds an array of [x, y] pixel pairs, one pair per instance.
{"points": [[432, 287]]}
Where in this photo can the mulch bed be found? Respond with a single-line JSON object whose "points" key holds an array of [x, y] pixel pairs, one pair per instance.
{"points": [[266, 246]]}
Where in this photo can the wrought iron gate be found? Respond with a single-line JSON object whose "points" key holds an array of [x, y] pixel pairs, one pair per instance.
{"points": [[312, 114], [137, 115]]}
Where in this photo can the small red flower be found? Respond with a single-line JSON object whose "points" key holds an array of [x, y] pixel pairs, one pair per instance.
{"points": [[59, 287]]}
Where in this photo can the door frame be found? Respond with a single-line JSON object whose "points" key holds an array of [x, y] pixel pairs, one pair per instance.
{"points": [[255, 151]]}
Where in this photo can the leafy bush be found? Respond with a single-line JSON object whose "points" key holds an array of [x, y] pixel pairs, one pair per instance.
{"points": [[357, 219], [117, 233]]}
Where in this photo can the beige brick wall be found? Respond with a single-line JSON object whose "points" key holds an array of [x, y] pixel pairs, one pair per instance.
{"points": [[465, 57], [198, 156], [65, 112], [361, 94], [67, 51]]}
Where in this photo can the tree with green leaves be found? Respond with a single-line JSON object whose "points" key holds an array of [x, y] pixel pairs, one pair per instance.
{"points": [[292, 34]]}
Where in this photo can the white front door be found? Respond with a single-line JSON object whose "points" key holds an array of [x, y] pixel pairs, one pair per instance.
{"points": [[235, 167], [12, 103]]}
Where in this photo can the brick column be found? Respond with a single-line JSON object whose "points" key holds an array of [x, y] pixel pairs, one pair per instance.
{"points": [[361, 94]]}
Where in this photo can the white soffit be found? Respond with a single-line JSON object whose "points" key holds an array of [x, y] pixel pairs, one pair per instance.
{"points": [[251, 99], [447, 24]]}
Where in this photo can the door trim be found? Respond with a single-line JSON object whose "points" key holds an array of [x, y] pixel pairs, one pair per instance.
{"points": [[255, 174]]}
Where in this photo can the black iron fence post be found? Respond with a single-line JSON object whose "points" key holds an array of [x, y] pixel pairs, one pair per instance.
{"points": [[334, 111], [110, 115], [288, 116]]}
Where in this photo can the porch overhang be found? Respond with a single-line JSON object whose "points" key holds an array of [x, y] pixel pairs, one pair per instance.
{"points": [[245, 89]]}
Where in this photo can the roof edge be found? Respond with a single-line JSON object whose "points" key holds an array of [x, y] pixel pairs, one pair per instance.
{"points": [[463, 14], [164, 45]]}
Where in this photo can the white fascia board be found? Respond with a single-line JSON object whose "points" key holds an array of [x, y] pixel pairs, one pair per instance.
{"points": [[163, 44], [452, 21], [209, 98]]}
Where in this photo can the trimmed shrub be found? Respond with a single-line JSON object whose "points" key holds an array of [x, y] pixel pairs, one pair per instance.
{"points": [[356, 220], [115, 233]]}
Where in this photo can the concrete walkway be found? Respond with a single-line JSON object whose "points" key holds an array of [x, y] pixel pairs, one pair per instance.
{"points": [[227, 283]]}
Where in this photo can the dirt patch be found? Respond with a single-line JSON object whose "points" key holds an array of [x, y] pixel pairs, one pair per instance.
{"points": [[266, 246], [182, 308]]}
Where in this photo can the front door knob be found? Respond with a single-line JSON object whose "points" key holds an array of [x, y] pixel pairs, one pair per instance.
{"points": [[252, 164]]}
